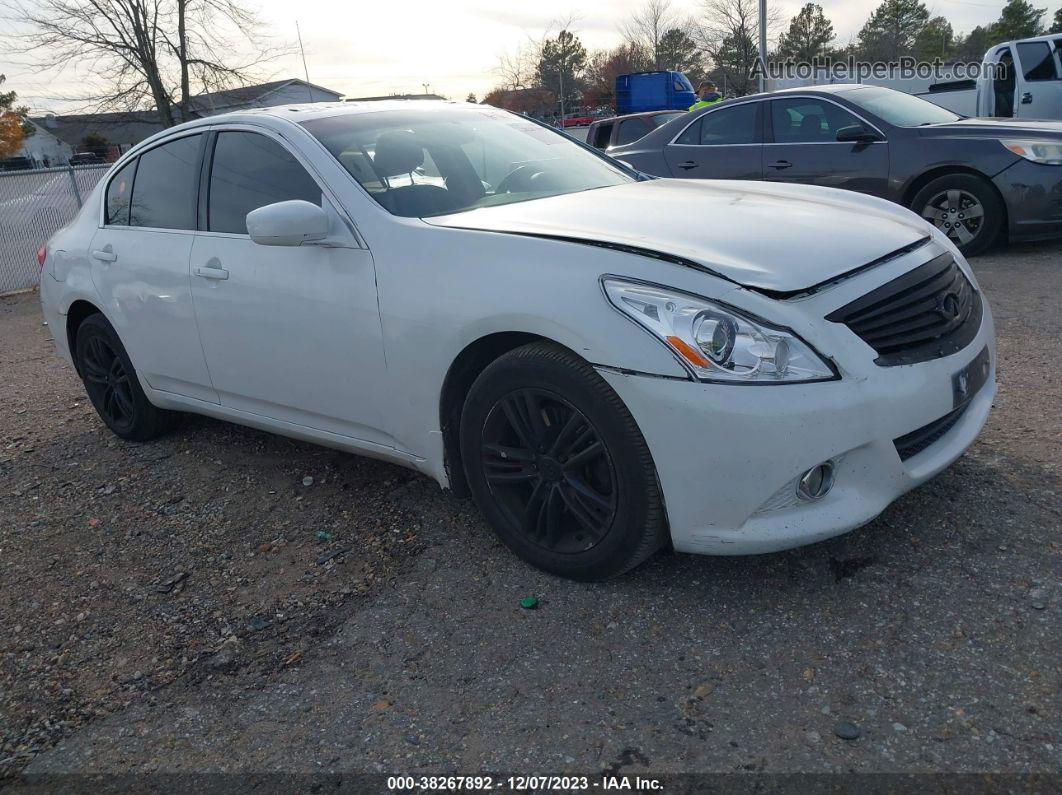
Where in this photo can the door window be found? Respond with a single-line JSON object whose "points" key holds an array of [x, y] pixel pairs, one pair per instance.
{"points": [[734, 125], [164, 191], [250, 171], [800, 121], [119, 192], [1037, 64], [602, 135], [630, 131]]}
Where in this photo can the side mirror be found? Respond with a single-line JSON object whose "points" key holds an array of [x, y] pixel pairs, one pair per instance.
{"points": [[289, 223], [857, 134]]}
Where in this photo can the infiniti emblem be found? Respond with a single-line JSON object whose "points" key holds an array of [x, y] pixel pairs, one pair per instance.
{"points": [[948, 306]]}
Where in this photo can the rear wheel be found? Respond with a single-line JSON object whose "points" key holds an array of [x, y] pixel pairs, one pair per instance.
{"points": [[965, 208], [558, 466], [112, 384]]}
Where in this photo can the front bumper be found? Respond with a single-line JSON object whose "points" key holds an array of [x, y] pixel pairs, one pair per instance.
{"points": [[728, 456], [1033, 195]]}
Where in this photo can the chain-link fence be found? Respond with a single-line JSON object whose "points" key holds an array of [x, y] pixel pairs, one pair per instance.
{"points": [[33, 205]]}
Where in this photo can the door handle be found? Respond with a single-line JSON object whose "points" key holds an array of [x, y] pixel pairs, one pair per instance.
{"points": [[105, 256], [212, 273], [1026, 98], [687, 165], [779, 164]]}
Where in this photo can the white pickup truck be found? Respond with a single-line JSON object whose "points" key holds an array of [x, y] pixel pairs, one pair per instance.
{"points": [[1026, 83]]}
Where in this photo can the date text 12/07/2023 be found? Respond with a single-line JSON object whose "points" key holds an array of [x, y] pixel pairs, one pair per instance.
{"points": [[424, 784]]}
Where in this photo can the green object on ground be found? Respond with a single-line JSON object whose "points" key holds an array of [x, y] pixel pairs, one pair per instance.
{"points": [[530, 603], [323, 536]]}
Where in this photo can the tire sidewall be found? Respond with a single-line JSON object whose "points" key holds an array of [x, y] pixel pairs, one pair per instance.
{"points": [[145, 422], [576, 386], [992, 223]]}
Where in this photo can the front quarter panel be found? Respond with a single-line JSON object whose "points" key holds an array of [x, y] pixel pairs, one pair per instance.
{"points": [[442, 289]]}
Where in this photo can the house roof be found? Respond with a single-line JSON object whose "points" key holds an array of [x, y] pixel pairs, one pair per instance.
{"points": [[132, 127], [247, 94], [118, 128]]}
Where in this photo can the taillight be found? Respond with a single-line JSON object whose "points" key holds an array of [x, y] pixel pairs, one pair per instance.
{"points": [[42, 255]]}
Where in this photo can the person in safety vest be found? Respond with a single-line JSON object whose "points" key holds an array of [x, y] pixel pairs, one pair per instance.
{"points": [[706, 95]]}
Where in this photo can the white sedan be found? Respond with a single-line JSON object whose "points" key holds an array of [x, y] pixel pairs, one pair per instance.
{"points": [[609, 364]]}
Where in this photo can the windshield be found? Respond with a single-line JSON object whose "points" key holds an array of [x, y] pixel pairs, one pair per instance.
{"points": [[419, 163], [661, 119], [895, 107]]}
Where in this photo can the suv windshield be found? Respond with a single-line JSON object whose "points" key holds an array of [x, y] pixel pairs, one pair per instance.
{"points": [[895, 107], [418, 163]]}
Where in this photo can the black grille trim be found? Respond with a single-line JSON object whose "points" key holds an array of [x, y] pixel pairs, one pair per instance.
{"points": [[906, 320], [913, 443]]}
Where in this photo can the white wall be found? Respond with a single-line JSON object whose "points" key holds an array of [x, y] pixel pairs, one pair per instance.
{"points": [[43, 145]]}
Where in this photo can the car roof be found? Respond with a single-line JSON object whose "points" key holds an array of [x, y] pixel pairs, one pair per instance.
{"points": [[295, 114], [640, 114]]}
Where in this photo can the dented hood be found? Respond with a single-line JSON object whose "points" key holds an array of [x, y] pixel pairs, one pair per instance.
{"points": [[769, 236]]}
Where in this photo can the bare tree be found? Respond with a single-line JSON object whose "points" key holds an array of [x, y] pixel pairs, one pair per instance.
{"points": [[145, 53], [728, 31], [647, 27]]}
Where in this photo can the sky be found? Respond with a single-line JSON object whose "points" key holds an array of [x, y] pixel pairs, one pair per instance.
{"points": [[453, 45]]}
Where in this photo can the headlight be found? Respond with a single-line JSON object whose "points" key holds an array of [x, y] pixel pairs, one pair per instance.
{"points": [[1047, 153], [716, 342]]}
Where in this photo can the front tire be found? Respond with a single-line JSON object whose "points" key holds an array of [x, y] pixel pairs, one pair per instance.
{"points": [[558, 466], [964, 207], [112, 384]]}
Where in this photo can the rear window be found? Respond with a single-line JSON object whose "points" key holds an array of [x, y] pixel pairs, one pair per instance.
{"points": [[165, 188], [119, 192]]}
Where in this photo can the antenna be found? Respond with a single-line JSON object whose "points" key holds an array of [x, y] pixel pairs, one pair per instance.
{"points": [[305, 71]]}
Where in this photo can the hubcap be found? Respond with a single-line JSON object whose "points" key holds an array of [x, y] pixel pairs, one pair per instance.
{"points": [[956, 213], [107, 382], [549, 471]]}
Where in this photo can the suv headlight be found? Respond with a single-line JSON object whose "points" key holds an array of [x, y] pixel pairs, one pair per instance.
{"points": [[1046, 153], [716, 342]]}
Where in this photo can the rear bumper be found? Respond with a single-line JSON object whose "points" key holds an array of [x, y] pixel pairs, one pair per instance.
{"points": [[729, 457]]}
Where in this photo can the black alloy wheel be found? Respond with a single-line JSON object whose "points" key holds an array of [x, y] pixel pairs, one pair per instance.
{"points": [[558, 465], [548, 468], [112, 384], [107, 383]]}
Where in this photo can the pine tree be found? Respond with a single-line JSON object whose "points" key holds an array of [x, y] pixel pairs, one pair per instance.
{"points": [[1018, 20], [892, 29], [935, 40], [808, 37]]}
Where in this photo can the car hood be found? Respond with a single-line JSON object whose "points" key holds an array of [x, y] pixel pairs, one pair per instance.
{"points": [[769, 236], [994, 128]]}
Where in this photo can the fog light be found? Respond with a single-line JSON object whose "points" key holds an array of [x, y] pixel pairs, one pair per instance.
{"points": [[816, 482]]}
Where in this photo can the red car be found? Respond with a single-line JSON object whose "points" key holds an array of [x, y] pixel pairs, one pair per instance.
{"points": [[576, 121]]}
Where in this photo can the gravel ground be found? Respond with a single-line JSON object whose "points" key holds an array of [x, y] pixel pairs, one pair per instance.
{"points": [[198, 603]]}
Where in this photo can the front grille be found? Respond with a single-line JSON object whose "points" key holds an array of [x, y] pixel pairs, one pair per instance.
{"points": [[915, 442], [930, 312]]}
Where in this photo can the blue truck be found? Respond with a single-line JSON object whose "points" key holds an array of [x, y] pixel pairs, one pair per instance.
{"points": [[645, 91]]}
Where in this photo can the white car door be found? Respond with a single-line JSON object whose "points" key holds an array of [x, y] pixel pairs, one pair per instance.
{"points": [[290, 333], [140, 265], [1039, 93]]}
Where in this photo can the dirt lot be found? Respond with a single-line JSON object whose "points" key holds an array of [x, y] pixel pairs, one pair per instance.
{"points": [[228, 600]]}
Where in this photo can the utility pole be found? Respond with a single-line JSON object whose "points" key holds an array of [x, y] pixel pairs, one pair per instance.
{"points": [[763, 44], [305, 71]]}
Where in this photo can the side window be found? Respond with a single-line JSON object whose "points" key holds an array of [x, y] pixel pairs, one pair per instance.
{"points": [[602, 135], [119, 192], [164, 191], [799, 121], [630, 131], [1036, 62], [691, 136], [250, 171], [736, 125]]}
